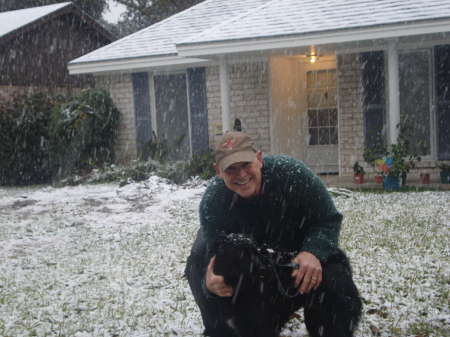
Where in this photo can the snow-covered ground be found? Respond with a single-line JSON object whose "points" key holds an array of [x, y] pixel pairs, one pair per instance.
{"points": [[104, 260]]}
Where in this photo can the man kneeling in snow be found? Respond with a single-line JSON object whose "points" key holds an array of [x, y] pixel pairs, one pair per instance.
{"points": [[280, 203]]}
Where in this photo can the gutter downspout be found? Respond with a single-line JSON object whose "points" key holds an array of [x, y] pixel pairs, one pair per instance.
{"points": [[394, 92], [225, 95]]}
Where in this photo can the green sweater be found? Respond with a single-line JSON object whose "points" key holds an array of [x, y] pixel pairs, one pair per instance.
{"points": [[294, 210]]}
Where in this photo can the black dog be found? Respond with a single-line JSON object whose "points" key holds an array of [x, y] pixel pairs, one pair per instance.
{"points": [[264, 292], [265, 297]]}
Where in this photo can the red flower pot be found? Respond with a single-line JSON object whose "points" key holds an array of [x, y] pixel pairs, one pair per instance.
{"points": [[359, 178], [425, 178]]}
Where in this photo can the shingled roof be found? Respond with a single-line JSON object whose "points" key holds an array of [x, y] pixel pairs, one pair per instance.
{"points": [[291, 17], [162, 37], [244, 25], [14, 20], [17, 22]]}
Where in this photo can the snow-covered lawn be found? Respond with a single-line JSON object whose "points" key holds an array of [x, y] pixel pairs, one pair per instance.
{"points": [[103, 260]]}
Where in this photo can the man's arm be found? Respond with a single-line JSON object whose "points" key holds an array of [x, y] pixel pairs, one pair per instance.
{"points": [[321, 224]]}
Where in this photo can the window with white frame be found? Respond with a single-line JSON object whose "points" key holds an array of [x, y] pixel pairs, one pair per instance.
{"points": [[322, 107]]}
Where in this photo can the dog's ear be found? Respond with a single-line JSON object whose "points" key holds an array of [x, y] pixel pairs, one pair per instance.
{"points": [[216, 244]]}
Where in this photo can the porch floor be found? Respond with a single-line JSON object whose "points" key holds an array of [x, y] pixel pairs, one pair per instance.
{"points": [[349, 183]]}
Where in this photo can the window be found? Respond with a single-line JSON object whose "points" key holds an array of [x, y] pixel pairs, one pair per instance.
{"points": [[415, 97], [322, 107], [323, 126], [172, 116], [373, 97]]}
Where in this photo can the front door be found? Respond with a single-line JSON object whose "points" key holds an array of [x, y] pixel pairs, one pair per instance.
{"points": [[321, 148]]}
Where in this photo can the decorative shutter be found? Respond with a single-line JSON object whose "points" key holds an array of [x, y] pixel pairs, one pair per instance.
{"points": [[374, 98], [442, 69], [141, 97], [197, 103]]}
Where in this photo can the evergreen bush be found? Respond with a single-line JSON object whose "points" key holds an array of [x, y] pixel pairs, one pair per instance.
{"points": [[201, 165], [71, 137], [43, 135], [82, 132], [24, 140]]}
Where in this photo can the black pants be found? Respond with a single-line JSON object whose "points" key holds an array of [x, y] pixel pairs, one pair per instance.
{"points": [[333, 310]]}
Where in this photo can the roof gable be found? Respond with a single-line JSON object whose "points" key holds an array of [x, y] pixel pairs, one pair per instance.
{"points": [[17, 22], [13, 20]]}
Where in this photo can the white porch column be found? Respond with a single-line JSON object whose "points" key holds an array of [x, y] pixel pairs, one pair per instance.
{"points": [[225, 94], [394, 92]]}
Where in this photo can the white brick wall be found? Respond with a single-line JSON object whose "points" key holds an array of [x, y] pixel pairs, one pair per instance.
{"points": [[121, 91], [351, 118], [249, 101]]}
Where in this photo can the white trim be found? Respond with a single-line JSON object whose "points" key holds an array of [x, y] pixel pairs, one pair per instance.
{"points": [[188, 100], [134, 65], [269, 92], [224, 94], [149, 64], [338, 88], [151, 85], [402, 45], [394, 92], [329, 37]]}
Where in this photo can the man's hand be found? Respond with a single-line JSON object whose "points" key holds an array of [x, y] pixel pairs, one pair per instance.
{"points": [[215, 284], [309, 275]]}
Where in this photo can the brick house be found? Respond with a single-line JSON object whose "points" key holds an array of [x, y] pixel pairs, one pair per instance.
{"points": [[378, 63], [36, 44]]}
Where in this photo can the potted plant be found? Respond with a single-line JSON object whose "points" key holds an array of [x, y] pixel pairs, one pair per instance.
{"points": [[401, 159], [359, 173], [445, 173], [396, 160]]}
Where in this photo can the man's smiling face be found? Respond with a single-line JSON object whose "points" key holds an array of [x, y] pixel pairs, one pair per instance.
{"points": [[243, 178]]}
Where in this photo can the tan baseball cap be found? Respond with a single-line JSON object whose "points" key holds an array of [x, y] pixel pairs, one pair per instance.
{"points": [[234, 147]]}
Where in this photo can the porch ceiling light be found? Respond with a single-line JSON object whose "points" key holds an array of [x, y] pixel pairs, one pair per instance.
{"points": [[313, 57]]}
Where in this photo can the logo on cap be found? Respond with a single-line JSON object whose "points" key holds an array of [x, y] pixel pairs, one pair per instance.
{"points": [[229, 143]]}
